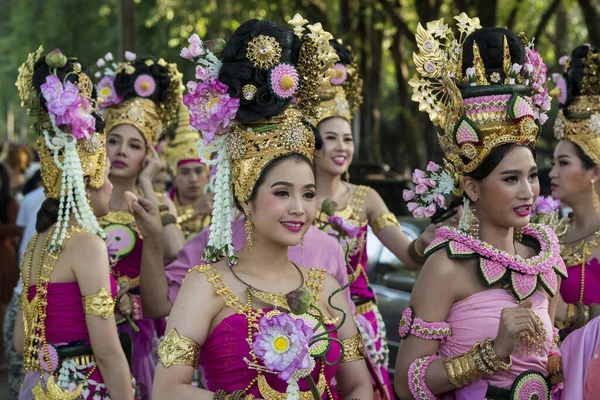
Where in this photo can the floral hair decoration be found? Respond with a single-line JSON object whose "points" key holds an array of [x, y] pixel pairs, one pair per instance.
{"points": [[432, 185], [70, 147], [245, 147], [482, 107], [145, 93]]}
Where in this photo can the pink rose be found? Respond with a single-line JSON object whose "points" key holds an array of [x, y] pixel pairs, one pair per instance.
{"points": [[439, 199], [412, 206], [130, 56], [196, 50], [191, 86], [185, 53], [419, 212], [195, 39], [543, 118], [430, 210], [432, 167], [201, 73], [429, 182], [421, 188], [417, 174], [408, 195]]}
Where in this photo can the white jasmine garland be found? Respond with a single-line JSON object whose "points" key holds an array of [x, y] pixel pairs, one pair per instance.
{"points": [[444, 186], [73, 198]]}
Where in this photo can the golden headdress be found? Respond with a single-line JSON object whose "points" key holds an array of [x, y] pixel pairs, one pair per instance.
{"points": [[341, 96], [71, 143], [579, 97], [143, 93], [182, 146], [481, 99], [251, 120]]}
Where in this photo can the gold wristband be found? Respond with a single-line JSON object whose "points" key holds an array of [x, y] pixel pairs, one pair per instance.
{"points": [[449, 366], [354, 349], [100, 303], [176, 349], [383, 221]]}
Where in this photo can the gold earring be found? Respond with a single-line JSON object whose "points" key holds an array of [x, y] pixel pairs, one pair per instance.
{"points": [[595, 200], [88, 196], [248, 226], [518, 234], [347, 176], [474, 224]]}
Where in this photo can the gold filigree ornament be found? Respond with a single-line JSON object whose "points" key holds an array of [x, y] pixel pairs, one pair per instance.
{"points": [[100, 303], [354, 349], [176, 349], [264, 52]]}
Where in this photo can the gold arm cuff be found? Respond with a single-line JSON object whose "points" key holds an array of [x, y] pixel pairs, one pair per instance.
{"points": [[383, 221], [354, 349], [100, 303], [176, 349]]}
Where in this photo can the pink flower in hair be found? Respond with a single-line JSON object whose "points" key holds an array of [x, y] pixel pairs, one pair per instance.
{"points": [[563, 60], [429, 182], [283, 80], [417, 174], [106, 91], [130, 56], [211, 108], [201, 73], [432, 167], [341, 74], [144, 85]]}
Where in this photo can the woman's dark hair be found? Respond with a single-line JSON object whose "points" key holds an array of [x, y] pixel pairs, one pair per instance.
{"points": [[294, 156], [586, 161], [41, 70], [343, 52], [318, 137], [491, 48], [238, 70], [493, 159], [574, 76], [5, 196], [124, 82], [47, 215]]}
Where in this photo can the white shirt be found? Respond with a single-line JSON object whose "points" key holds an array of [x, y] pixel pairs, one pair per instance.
{"points": [[27, 216]]}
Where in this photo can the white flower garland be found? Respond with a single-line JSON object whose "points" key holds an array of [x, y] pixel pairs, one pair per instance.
{"points": [[220, 242], [380, 358], [73, 199]]}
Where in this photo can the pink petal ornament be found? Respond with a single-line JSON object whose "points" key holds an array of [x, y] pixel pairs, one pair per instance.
{"points": [[144, 85]]}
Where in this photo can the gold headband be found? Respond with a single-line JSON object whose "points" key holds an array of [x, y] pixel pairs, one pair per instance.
{"points": [[141, 113], [183, 145], [251, 149]]}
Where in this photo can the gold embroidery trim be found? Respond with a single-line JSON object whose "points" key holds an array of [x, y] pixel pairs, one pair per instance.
{"points": [[268, 393], [220, 288], [176, 349], [383, 221], [354, 349], [365, 307], [100, 303]]}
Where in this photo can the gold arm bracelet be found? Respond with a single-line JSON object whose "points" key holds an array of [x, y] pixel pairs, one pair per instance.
{"points": [[100, 303], [383, 221], [354, 349], [176, 349]]}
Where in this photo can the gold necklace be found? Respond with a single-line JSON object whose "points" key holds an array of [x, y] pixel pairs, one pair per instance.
{"points": [[575, 253]]}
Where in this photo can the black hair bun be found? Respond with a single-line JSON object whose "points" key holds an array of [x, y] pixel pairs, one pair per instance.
{"points": [[491, 48], [238, 70], [125, 80], [344, 54], [41, 70], [576, 70]]}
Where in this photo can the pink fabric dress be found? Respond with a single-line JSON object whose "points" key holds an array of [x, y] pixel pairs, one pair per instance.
{"points": [[367, 316], [223, 367], [65, 324], [128, 246], [570, 288]]}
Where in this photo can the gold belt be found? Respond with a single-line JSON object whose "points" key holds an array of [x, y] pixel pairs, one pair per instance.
{"points": [[365, 307]]}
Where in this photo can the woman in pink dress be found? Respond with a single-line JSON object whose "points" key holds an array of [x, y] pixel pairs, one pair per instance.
{"points": [[65, 326], [255, 335], [480, 321], [141, 99], [576, 182]]}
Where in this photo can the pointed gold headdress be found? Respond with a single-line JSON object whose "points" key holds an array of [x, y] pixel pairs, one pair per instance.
{"points": [[182, 147]]}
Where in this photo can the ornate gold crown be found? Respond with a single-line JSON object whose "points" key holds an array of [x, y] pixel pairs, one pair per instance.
{"points": [[92, 152], [183, 145], [487, 113], [150, 118], [579, 121], [252, 147]]}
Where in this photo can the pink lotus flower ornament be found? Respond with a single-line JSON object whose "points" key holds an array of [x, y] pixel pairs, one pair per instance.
{"points": [[106, 91], [344, 226]]}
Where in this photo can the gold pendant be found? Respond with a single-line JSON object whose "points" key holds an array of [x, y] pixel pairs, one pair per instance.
{"points": [[54, 392], [278, 300]]}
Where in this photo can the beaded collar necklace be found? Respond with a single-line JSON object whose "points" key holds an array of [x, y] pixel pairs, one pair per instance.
{"points": [[521, 275]]}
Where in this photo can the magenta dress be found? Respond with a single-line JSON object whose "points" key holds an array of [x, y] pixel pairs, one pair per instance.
{"points": [[125, 245], [65, 324], [222, 355], [570, 288], [367, 316]]}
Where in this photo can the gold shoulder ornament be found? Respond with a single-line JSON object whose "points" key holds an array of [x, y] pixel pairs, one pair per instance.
{"points": [[354, 349], [100, 303], [176, 349]]}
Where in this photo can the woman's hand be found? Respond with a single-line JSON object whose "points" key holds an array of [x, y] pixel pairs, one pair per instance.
{"points": [[514, 321], [147, 218], [123, 302], [152, 166], [427, 236]]}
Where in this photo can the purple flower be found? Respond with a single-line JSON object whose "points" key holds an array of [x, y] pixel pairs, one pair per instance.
{"points": [[429, 210], [432, 167], [343, 225], [106, 91], [546, 205], [195, 48], [282, 342], [408, 195], [421, 188], [211, 108]]}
